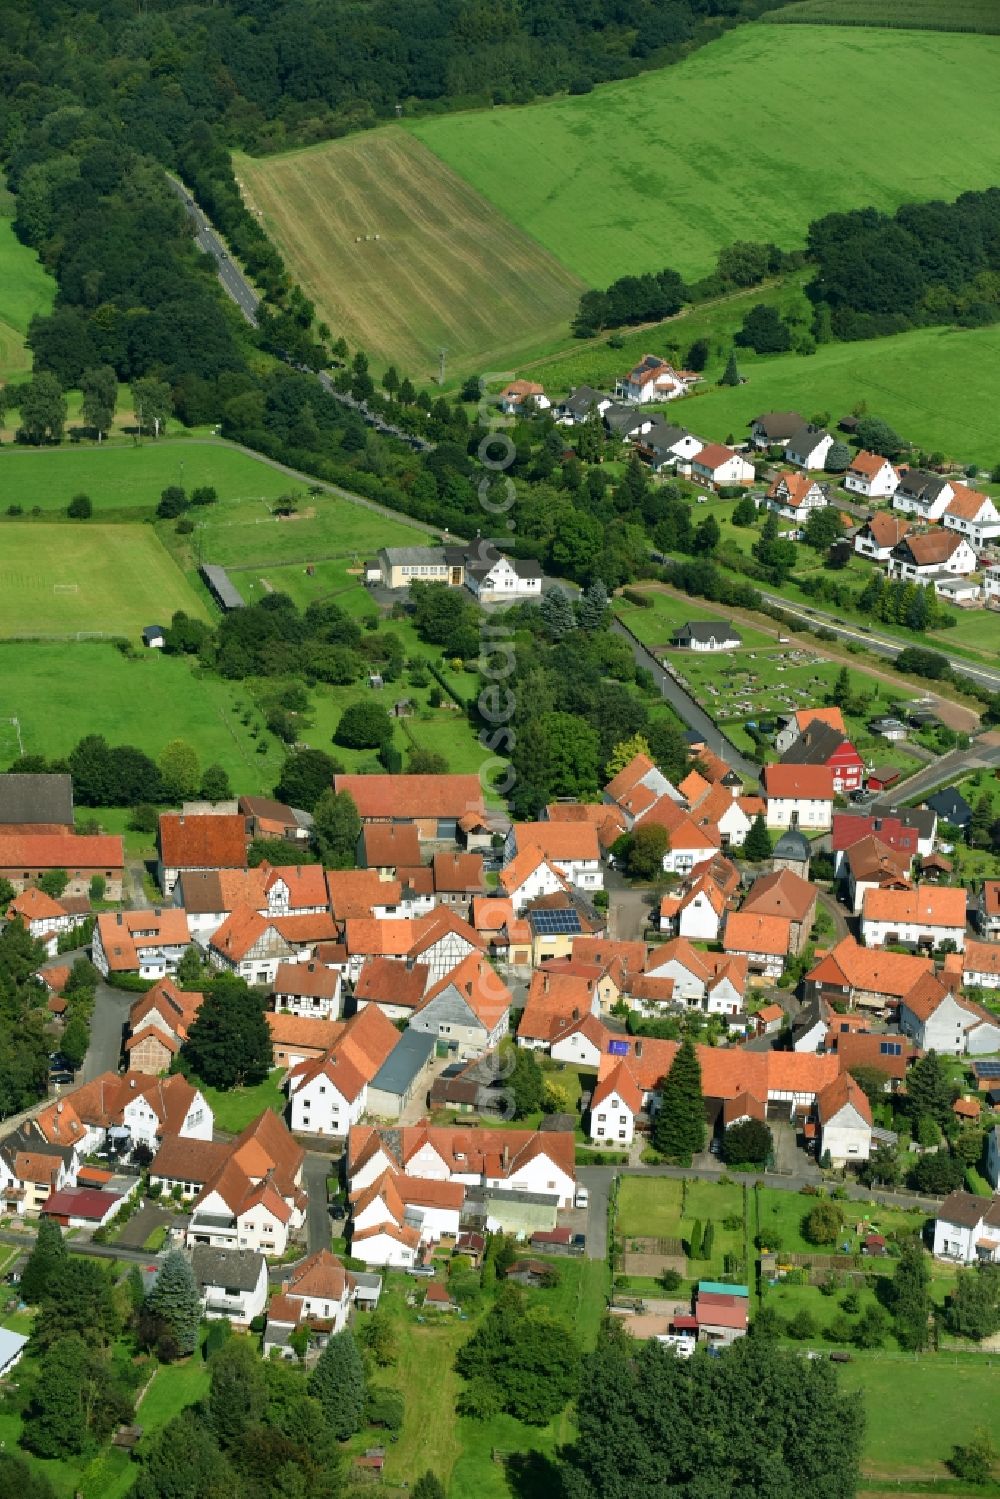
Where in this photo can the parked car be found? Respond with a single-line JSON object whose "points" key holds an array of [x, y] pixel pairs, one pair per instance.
{"points": [[582, 1198], [425, 1272]]}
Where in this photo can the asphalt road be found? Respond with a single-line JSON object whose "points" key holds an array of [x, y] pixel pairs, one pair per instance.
{"points": [[687, 709], [947, 769], [111, 1007], [314, 1174], [233, 280], [597, 1180], [882, 645]]}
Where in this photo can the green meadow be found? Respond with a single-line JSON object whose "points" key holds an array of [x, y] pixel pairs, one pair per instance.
{"points": [[25, 289], [927, 15], [132, 478], [60, 692], [749, 138]]}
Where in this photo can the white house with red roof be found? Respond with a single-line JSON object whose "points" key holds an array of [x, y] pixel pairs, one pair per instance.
{"points": [[517, 1159], [395, 1199], [880, 535], [799, 796], [653, 379], [795, 496], [529, 875], [973, 515], [521, 397], [937, 1019], [570, 847], [328, 1094], [717, 464], [44, 917], [924, 916], [845, 1122], [871, 476], [581, 1043], [308, 989], [317, 1293], [253, 1198], [696, 914], [468, 1010]]}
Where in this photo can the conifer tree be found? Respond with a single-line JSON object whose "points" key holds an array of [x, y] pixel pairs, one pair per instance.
{"points": [[557, 612], [174, 1301], [679, 1127], [758, 846], [47, 1260], [338, 1383], [731, 374]]}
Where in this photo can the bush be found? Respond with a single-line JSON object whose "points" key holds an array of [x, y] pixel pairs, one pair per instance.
{"points": [[822, 1224], [802, 1326], [80, 507], [384, 1407], [634, 596]]}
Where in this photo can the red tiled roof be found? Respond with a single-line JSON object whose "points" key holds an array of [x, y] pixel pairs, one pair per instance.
{"points": [[303, 1030], [480, 986], [458, 873], [814, 782], [868, 465], [840, 1093], [782, 893], [750, 932], [386, 981], [389, 844], [121, 939], [353, 892], [312, 980], [926, 905], [413, 797], [70, 851], [712, 456], [203, 841], [872, 969], [558, 840]]}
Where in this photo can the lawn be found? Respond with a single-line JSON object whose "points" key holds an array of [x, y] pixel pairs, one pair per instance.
{"points": [[919, 1408], [655, 625], [954, 413], [235, 1109], [650, 1208], [730, 165], [403, 256], [926, 15], [174, 1386], [783, 1213], [146, 702], [242, 532], [61, 579], [25, 289], [131, 479]]}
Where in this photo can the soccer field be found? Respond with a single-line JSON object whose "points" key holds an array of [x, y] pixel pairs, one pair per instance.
{"points": [[403, 257], [748, 138], [61, 579]]}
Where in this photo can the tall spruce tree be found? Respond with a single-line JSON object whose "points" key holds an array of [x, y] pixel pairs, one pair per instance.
{"points": [[46, 1262], [557, 612], [175, 1303], [338, 1383], [911, 1298], [758, 841], [679, 1126], [731, 373]]}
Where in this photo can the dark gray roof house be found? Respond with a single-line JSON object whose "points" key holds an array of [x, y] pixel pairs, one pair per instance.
{"points": [[707, 635], [623, 420], [238, 1269], [774, 427], [814, 746], [581, 401], [920, 486], [154, 635], [951, 806], [44, 800]]}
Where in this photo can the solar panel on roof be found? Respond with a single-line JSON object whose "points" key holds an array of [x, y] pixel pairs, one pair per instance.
{"points": [[555, 923], [986, 1069]]}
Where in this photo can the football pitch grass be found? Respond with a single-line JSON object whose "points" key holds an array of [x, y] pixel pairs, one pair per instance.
{"points": [[749, 138], [63, 579], [57, 693]]}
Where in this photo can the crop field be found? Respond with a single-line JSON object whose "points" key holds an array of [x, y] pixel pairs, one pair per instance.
{"points": [[403, 256], [133, 478], [60, 579], [25, 289], [709, 159], [924, 15]]}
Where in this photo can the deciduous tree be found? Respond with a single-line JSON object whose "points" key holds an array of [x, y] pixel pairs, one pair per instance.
{"points": [[336, 829], [229, 1043], [99, 387]]}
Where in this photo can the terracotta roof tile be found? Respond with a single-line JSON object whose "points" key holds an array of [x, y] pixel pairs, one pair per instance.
{"points": [[203, 842], [750, 932], [558, 840], [68, 851], [389, 844], [814, 782], [925, 905], [413, 797], [387, 981]]}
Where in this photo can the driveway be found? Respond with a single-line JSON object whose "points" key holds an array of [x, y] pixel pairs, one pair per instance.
{"points": [[629, 912], [314, 1174], [111, 1007], [597, 1180], [139, 1227]]}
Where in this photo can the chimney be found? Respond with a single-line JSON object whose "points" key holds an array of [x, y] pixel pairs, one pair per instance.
{"points": [[119, 918], [157, 911], [506, 1157], [59, 1107], [545, 986], [576, 1013], [638, 1048], [468, 989]]}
